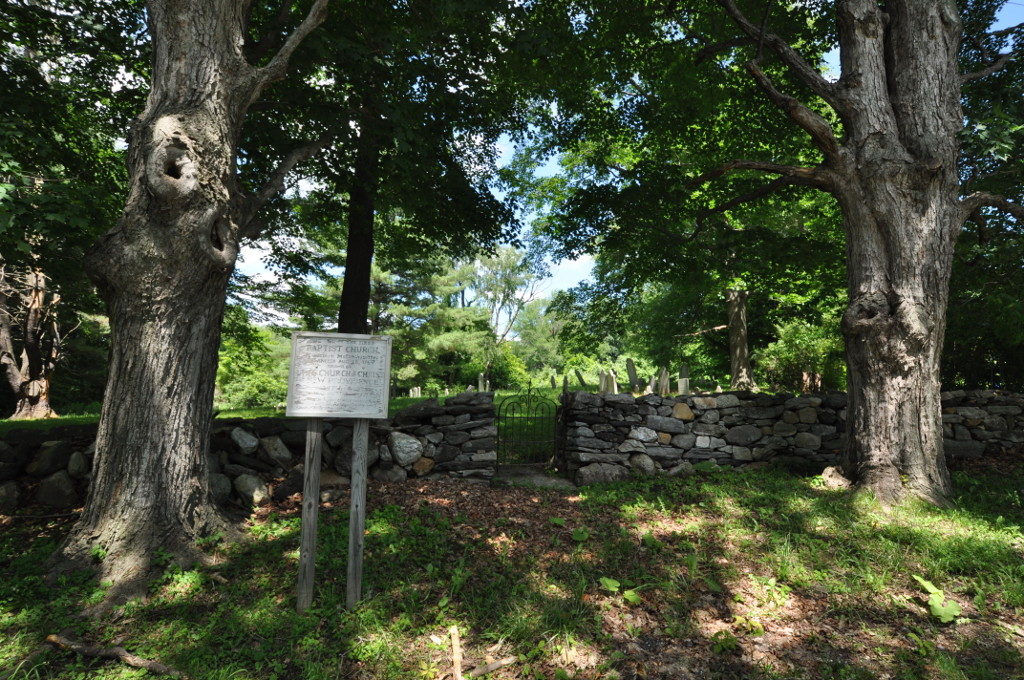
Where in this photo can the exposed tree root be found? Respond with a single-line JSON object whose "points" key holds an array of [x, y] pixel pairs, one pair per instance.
{"points": [[114, 653]]}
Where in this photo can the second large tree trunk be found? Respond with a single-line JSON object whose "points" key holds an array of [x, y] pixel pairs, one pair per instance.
{"points": [[354, 307], [739, 349], [900, 258], [898, 187], [34, 400]]}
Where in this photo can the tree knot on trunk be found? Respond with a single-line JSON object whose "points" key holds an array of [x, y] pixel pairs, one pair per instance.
{"points": [[170, 169], [32, 389], [220, 242], [917, 322], [867, 311]]}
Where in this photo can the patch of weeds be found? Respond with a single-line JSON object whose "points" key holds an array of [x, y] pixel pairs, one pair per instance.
{"points": [[724, 642]]}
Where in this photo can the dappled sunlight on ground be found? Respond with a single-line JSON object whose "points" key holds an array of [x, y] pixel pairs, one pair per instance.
{"points": [[724, 575]]}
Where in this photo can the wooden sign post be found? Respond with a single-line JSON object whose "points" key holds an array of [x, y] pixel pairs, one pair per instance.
{"points": [[336, 375]]}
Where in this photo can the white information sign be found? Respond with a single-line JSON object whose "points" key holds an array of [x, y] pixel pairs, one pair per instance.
{"points": [[339, 375]]}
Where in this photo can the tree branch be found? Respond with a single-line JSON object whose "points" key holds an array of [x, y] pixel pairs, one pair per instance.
{"points": [[804, 71], [1000, 62], [760, 192], [705, 330], [812, 123], [277, 66], [275, 184], [115, 653], [1006, 31], [709, 51], [815, 177], [259, 49], [982, 199]]}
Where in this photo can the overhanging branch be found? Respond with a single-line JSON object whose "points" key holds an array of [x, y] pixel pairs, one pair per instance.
{"points": [[982, 199], [998, 65], [760, 192], [996, 62], [1007, 31], [275, 70], [812, 123], [275, 184], [815, 177], [790, 57]]}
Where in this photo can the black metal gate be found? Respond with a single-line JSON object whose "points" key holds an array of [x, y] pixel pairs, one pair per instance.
{"points": [[527, 427]]}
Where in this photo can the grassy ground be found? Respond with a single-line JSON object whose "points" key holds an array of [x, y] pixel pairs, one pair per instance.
{"points": [[396, 404], [723, 575]]}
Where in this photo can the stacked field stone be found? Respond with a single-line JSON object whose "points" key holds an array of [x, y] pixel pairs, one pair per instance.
{"points": [[252, 460], [614, 435], [460, 437], [981, 421]]}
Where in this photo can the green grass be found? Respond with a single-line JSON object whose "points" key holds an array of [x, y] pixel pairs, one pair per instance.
{"points": [[48, 423], [395, 405], [723, 565]]}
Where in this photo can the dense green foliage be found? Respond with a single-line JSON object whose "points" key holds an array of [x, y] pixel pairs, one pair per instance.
{"points": [[630, 141], [66, 93]]}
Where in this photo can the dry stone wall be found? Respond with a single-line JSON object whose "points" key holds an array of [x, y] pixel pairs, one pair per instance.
{"points": [[613, 436], [253, 460]]}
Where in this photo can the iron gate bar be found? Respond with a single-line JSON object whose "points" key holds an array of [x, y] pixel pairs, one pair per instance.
{"points": [[526, 429]]}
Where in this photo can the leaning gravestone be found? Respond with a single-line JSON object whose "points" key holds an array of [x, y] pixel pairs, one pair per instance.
{"points": [[634, 380], [336, 375]]}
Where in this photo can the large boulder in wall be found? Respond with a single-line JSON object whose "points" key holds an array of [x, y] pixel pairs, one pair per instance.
{"points": [[272, 450], [12, 461], [601, 473], [246, 441], [8, 497], [251, 489], [405, 449], [58, 491], [51, 457]]}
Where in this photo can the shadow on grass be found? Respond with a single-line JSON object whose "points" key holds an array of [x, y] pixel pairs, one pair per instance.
{"points": [[735, 576]]}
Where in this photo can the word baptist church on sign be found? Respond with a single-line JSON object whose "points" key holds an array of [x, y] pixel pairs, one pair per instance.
{"points": [[336, 375], [339, 375]]}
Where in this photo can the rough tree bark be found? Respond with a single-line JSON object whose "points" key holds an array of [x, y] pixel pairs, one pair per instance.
{"points": [[162, 271], [739, 351], [28, 318], [354, 306], [895, 176]]}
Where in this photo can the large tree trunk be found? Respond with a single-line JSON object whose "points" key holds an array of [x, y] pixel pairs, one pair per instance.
{"points": [[354, 307], [162, 272], [898, 282], [894, 172], [899, 194], [739, 350]]}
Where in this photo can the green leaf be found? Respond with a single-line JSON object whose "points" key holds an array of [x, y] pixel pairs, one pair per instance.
{"points": [[609, 584], [942, 609], [927, 585], [557, 521], [580, 534], [631, 596]]}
